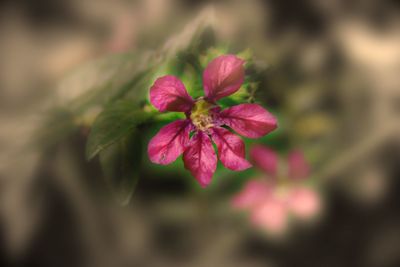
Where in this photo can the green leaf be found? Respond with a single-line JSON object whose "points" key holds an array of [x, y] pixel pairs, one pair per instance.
{"points": [[116, 121], [120, 164]]}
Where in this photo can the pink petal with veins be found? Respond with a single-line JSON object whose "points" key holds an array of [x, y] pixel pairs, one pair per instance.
{"points": [[231, 149], [265, 159], [223, 76], [168, 144], [168, 93], [200, 158], [249, 120]]}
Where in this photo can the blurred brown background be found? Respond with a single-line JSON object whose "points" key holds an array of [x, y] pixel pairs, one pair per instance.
{"points": [[333, 70]]}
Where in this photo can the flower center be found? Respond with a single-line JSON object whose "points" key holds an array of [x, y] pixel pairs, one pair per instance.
{"points": [[200, 115], [282, 190]]}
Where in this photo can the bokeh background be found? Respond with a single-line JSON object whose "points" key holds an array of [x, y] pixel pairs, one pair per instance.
{"points": [[330, 73]]}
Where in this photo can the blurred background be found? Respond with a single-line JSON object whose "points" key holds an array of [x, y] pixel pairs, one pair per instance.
{"points": [[329, 70]]}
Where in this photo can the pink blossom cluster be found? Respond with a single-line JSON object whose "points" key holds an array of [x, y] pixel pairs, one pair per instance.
{"points": [[274, 198]]}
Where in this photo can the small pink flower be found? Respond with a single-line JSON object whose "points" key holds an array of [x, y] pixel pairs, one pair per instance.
{"points": [[271, 202], [304, 202], [271, 214], [204, 120], [252, 194]]}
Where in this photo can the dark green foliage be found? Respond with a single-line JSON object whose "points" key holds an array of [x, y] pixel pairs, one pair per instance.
{"points": [[120, 163], [116, 121]]}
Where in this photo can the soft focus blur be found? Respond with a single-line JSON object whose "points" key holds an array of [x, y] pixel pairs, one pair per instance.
{"points": [[332, 78]]}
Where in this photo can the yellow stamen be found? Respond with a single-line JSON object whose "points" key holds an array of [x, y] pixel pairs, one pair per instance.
{"points": [[200, 115]]}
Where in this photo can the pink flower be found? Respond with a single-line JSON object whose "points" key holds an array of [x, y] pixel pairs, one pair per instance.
{"points": [[204, 120], [272, 201]]}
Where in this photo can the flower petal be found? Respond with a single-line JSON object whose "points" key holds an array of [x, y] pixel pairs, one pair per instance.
{"points": [[223, 76], [298, 166], [253, 193], [304, 202], [231, 149], [265, 159], [169, 142], [200, 158], [168, 93], [249, 120], [271, 215]]}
